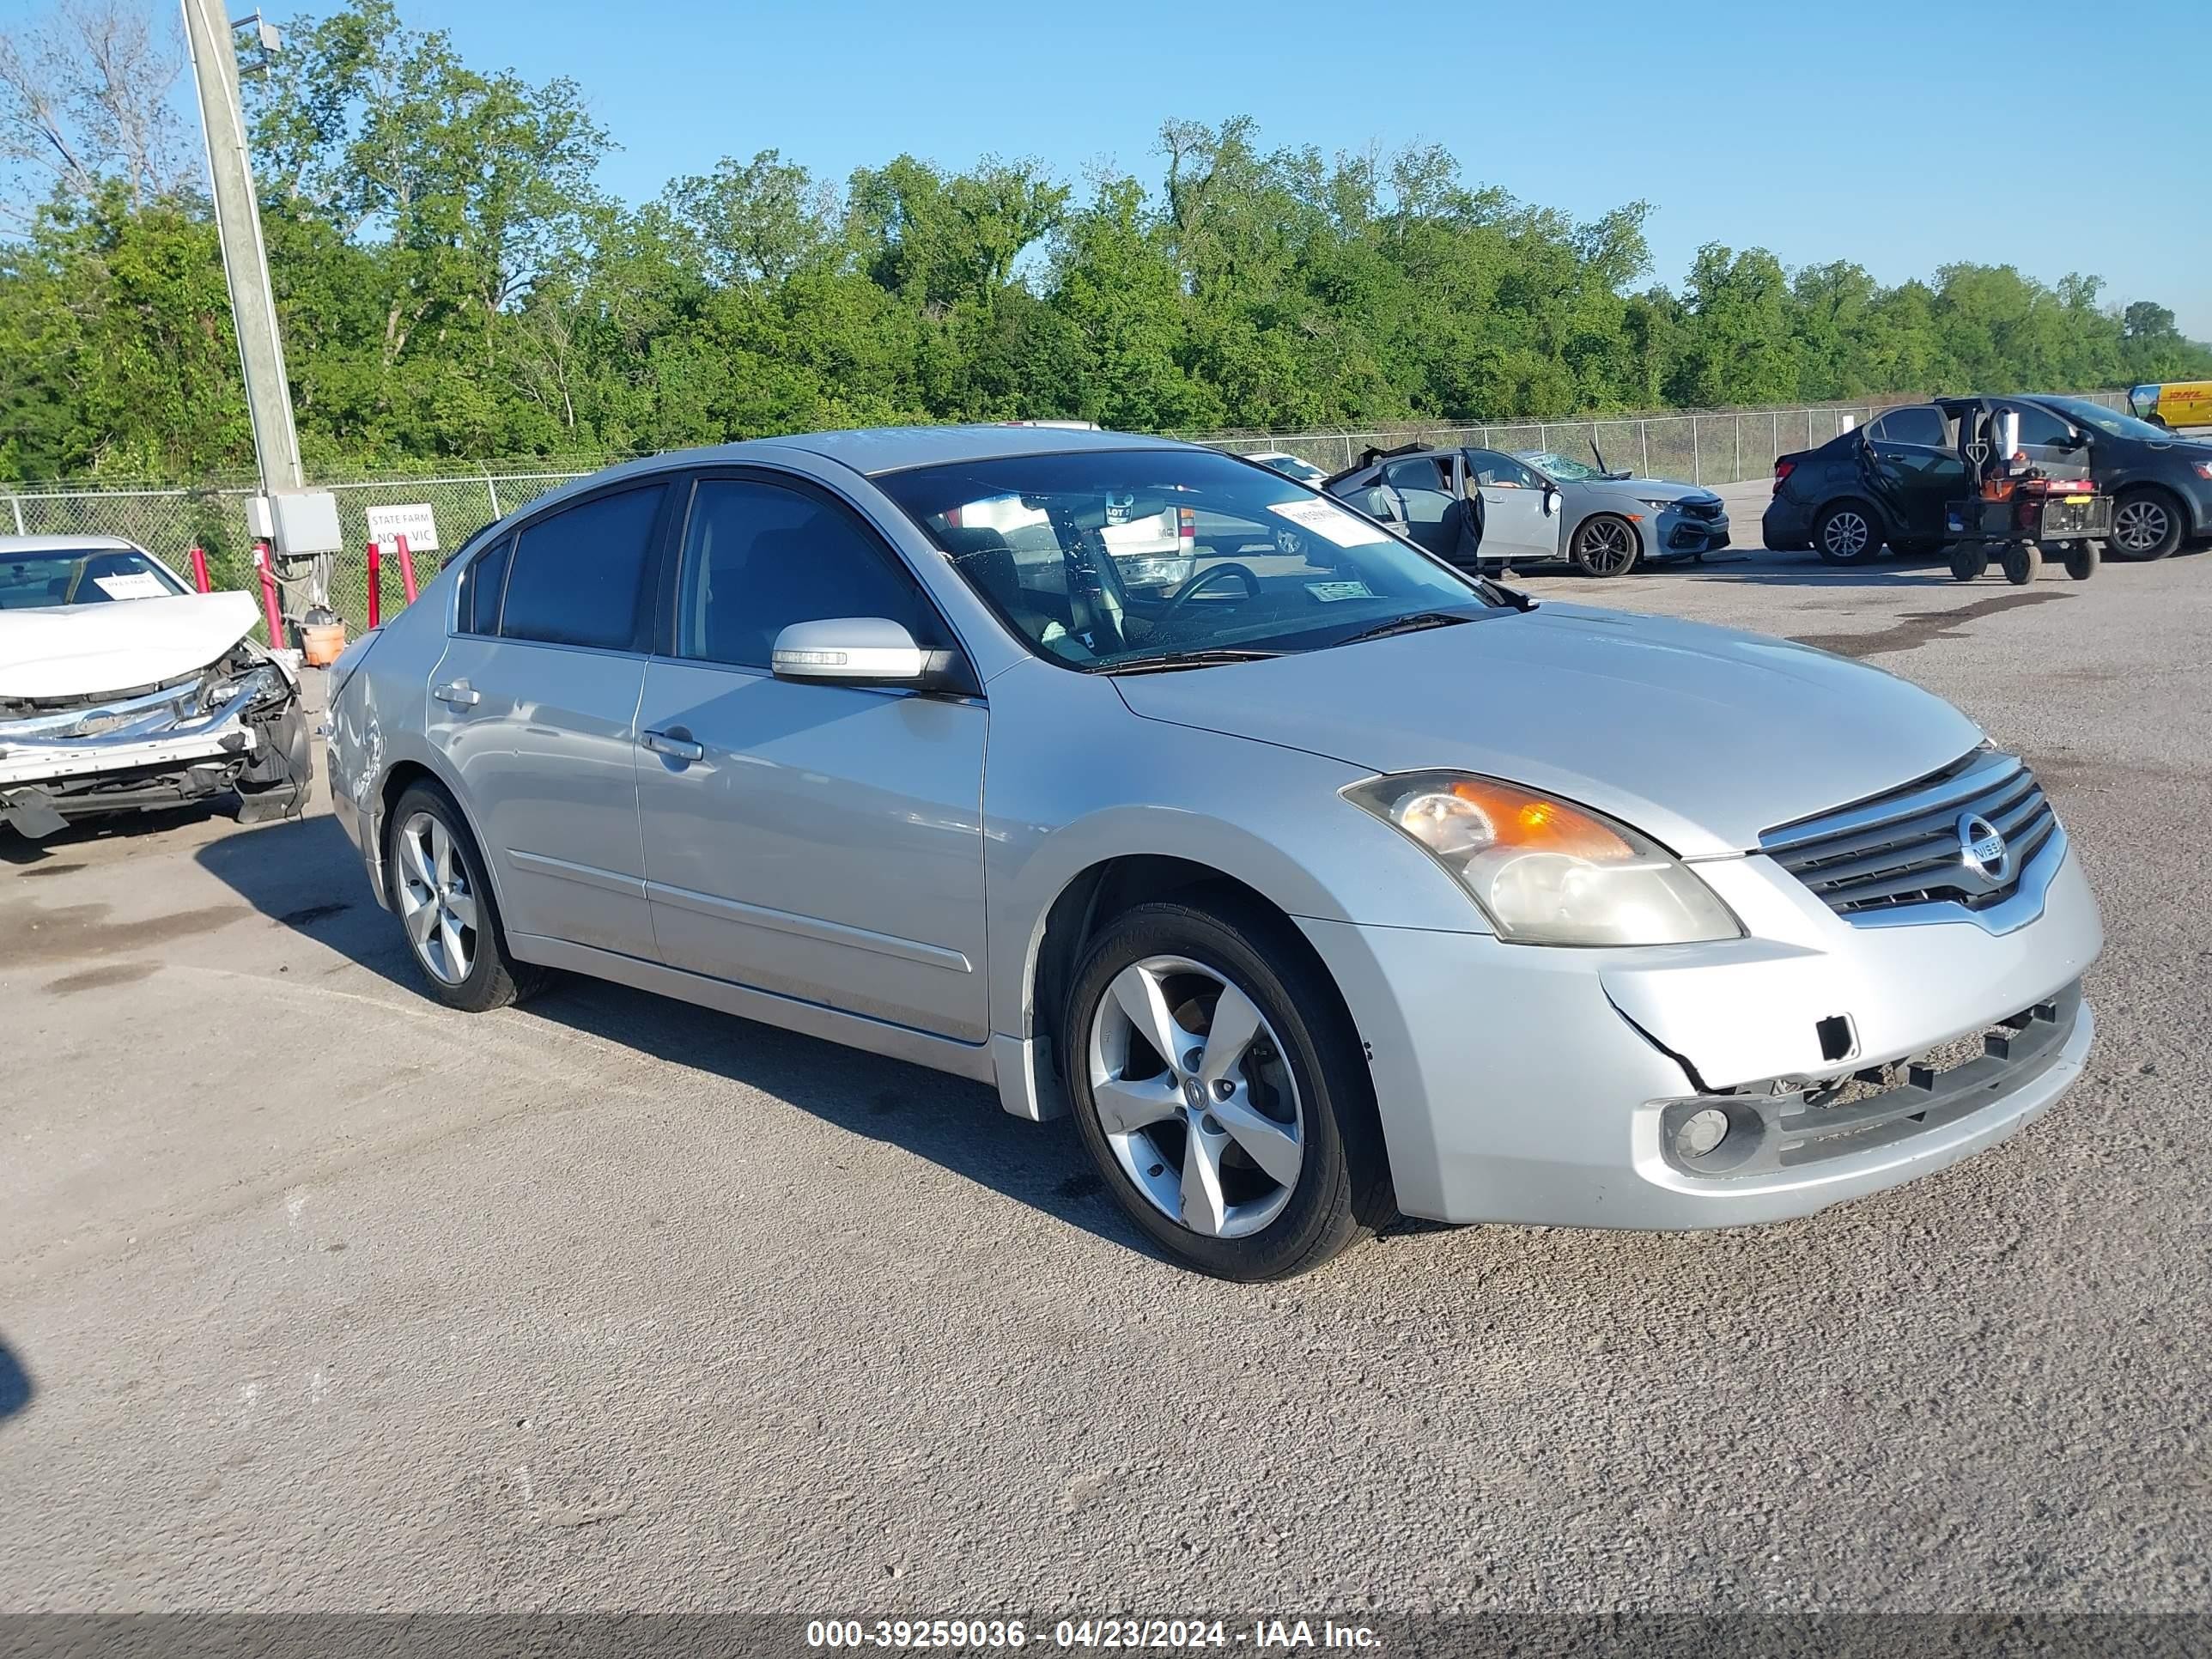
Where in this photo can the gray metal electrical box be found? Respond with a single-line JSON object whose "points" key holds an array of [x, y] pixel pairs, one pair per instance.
{"points": [[300, 522]]}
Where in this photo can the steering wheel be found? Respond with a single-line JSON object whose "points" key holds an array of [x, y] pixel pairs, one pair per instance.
{"points": [[1205, 580]]}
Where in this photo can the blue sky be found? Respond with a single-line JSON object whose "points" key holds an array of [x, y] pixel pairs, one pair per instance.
{"points": [[1820, 132]]}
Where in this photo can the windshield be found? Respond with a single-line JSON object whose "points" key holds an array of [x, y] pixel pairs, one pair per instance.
{"points": [[2107, 420], [1559, 466], [1292, 467], [80, 575], [1251, 562]]}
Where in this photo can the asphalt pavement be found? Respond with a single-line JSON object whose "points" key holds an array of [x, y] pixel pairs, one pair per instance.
{"points": [[314, 1295]]}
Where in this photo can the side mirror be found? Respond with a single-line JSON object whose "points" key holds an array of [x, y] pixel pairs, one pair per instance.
{"points": [[1552, 500], [851, 651]]}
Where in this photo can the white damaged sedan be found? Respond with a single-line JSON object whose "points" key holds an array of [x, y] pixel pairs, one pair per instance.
{"points": [[122, 689]]}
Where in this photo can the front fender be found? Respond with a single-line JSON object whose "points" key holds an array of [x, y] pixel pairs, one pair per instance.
{"points": [[1268, 817]]}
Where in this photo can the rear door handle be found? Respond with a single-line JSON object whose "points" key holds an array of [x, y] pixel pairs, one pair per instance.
{"points": [[457, 693], [674, 745]]}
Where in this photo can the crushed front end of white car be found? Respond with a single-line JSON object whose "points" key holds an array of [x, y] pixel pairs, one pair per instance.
{"points": [[145, 704]]}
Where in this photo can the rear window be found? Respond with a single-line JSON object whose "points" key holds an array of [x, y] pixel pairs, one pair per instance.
{"points": [[578, 576], [80, 575]]}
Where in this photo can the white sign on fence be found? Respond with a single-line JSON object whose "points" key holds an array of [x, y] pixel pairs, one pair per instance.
{"points": [[415, 521]]}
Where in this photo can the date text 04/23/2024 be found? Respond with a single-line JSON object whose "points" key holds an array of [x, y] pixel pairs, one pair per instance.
{"points": [[1099, 1633]]}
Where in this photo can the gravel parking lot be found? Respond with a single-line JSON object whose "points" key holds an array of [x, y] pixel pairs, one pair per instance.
{"points": [[315, 1295]]}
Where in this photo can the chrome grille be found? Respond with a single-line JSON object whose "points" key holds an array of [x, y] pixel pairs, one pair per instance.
{"points": [[1904, 848]]}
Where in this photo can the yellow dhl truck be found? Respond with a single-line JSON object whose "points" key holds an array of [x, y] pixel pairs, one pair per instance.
{"points": [[2176, 406]]}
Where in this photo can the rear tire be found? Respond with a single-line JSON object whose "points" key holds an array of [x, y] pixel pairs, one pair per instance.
{"points": [[1605, 545], [2146, 524], [435, 874], [2023, 563], [1847, 533], [1257, 1159], [2083, 560], [1969, 560]]}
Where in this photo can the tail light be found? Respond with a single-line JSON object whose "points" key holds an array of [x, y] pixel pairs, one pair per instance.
{"points": [[1187, 524], [1782, 471]]}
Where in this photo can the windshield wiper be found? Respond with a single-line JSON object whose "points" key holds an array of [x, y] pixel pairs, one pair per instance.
{"points": [[1412, 623], [1162, 662]]}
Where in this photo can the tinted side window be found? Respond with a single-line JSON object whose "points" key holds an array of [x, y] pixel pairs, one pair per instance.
{"points": [[578, 574], [1920, 424], [482, 581], [2040, 425], [758, 558], [1426, 473], [1489, 467]]}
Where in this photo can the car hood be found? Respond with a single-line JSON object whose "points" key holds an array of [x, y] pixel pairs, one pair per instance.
{"points": [[1651, 489], [1701, 737], [86, 650]]}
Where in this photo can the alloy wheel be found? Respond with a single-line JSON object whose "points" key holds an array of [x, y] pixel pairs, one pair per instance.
{"points": [[1846, 534], [436, 903], [1608, 547], [1194, 1095], [2139, 525]]}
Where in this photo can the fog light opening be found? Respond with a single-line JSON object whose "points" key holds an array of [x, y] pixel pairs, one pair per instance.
{"points": [[1699, 1133]]}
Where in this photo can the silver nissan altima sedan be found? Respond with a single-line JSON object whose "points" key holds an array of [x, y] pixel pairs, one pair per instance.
{"points": [[1326, 885]]}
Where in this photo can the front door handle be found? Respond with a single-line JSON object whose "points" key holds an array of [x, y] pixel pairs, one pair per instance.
{"points": [[458, 694], [675, 745]]}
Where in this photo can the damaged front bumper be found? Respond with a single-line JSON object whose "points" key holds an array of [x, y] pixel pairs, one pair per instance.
{"points": [[234, 725]]}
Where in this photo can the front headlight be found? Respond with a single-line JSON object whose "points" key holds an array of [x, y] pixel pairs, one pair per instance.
{"points": [[1546, 872], [1659, 503]]}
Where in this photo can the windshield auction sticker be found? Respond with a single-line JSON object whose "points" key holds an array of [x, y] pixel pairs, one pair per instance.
{"points": [[1343, 528], [132, 584]]}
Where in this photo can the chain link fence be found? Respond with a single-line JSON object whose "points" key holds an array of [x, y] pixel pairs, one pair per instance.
{"points": [[1727, 447], [170, 523]]}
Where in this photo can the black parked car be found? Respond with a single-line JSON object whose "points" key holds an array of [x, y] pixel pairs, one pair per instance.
{"points": [[1889, 481]]}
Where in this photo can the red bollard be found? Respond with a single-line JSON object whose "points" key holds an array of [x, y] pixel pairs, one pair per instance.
{"points": [[199, 569], [375, 584], [269, 606], [406, 566]]}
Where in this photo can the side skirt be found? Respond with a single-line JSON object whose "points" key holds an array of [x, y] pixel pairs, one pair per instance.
{"points": [[875, 1037]]}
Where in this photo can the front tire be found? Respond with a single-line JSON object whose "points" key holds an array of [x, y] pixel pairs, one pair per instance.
{"points": [[1968, 560], [1605, 545], [2082, 560], [1220, 1088], [1846, 533], [435, 874], [2022, 563], [2146, 524]]}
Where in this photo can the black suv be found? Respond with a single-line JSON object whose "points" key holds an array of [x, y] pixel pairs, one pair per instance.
{"points": [[1889, 481]]}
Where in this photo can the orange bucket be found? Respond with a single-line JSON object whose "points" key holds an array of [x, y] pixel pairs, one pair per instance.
{"points": [[321, 643]]}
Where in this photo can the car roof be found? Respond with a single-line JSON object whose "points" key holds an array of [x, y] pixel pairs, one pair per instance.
{"points": [[64, 544], [871, 451], [874, 451]]}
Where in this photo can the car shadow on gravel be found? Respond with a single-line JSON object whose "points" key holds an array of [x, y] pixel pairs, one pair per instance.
{"points": [[52, 853], [16, 1388], [305, 875], [302, 873]]}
